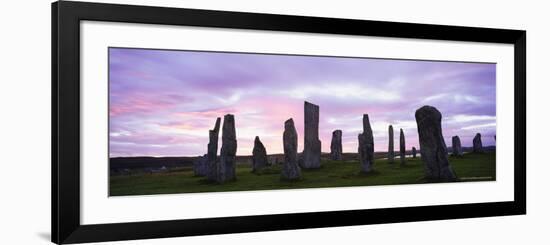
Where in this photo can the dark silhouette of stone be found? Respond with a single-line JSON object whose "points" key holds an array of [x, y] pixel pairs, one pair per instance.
{"points": [[457, 146], [290, 169], [391, 153], [402, 148], [212, 154], [336, 145], [432, 145], [312, 144], [274, 161], [227, 163], [414, 152], [259, 156], [200, 165], [366, 146], [478, 147]]}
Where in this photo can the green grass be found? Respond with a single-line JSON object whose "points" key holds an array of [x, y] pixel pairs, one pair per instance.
{"points": [[470, 167]]}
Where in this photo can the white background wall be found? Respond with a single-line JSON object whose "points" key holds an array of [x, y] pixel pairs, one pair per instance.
{"points": [[25, 121]]}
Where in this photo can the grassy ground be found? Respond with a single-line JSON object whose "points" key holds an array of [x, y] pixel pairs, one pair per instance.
{"points": [[470, 167]]}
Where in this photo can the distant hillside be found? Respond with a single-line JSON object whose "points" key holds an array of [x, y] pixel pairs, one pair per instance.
{"points": [[149, 162], [135, 163], [490, 148]]}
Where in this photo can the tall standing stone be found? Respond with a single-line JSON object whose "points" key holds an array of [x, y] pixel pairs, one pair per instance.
{"points": [[200, 165], [457, 146], [336, 145], [259, 156], [366, 146], [478, 147], [290, 170], [228, 152], [402, 148], [212, 154], [391, 153], [432, 145], [312, 144], [414, 152]]}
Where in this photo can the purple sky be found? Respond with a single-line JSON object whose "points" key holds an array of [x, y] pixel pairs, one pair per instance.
{"points": [[163, 102]]}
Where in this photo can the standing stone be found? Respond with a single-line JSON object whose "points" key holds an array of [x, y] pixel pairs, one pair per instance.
{"points": [[432, 145], [290, 170], [402, 148], [312, 144], [228, 152], [212, 154], [478, 147], [366, 146], [273, 161], [336, 145], [457, 146], [414, 152], [259, 156], [200, 165], [391, 153]]}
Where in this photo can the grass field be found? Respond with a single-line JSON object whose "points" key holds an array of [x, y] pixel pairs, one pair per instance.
{"points": [[470, 167]]}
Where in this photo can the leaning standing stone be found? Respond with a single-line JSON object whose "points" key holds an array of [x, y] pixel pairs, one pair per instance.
{"points": [[312, 144], [478, 147], [212, 155], [366, 146], [259, 156], [391, 153], [457, 146], [336, 145], [228, 152], [432, 145], [402, 148], [290, 170], [414, 152]]}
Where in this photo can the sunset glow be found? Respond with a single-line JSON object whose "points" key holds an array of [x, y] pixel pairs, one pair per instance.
{"points": [[163, 102]]}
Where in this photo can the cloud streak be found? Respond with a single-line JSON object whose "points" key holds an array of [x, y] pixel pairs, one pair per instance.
{"points": [[162, 103]]}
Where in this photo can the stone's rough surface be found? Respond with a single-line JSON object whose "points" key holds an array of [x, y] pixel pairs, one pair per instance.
{"points": [[366, 146], [290, 169], [457, 147], [478, 147], [312, 144], [432, 145], [402, 148], [391, 153], [259, 156], [227, 163], [336, 145], [212, 154], [200, 165], [414, 152]]}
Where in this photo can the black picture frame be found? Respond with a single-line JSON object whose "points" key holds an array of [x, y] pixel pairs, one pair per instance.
{"points": [[66, 17]]}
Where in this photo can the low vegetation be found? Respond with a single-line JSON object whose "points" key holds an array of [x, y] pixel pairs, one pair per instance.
{"points": [[470, 167]]}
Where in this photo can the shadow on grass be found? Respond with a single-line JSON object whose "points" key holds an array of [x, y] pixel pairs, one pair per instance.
{"points": [[360, 174], [313, 169], [268, 171], [405, 166]]}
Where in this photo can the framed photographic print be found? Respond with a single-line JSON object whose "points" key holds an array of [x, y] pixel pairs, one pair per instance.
{"points": [[177, 122]]}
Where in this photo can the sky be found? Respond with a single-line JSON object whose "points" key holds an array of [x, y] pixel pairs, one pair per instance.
{"points": [[163, 102]]}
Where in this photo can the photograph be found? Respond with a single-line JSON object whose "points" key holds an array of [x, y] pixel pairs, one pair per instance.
{"points": [[189, 121], [197, 122]]}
